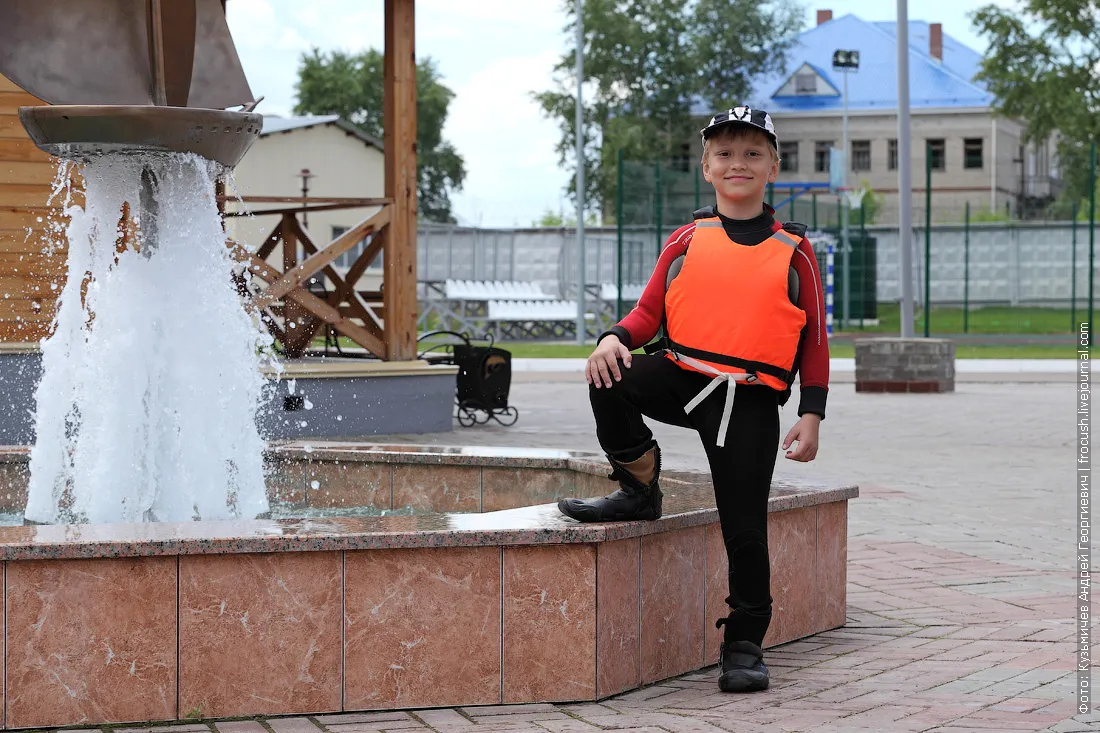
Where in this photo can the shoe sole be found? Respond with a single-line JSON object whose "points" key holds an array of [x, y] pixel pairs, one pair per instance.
{"points": [[742, 682]]}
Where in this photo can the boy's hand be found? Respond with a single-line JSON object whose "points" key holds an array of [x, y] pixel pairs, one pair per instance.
{"points": [[603, 364], [805, 432]]}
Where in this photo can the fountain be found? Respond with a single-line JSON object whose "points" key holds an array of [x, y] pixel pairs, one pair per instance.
{"points": [[387, 576], [151, 381]]}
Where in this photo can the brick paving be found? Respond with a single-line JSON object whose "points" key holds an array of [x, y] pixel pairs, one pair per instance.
{"points": [[960, 567]]}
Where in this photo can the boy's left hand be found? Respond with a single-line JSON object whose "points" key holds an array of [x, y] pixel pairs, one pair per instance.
{"points": [[805, 432]]}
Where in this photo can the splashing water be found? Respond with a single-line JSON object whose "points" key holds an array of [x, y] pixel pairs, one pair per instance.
{"points": [[151, 380]]}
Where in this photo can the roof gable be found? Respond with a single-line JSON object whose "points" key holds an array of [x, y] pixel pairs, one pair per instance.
{"points": [[273, 125], [933, 84], [807, 80]]}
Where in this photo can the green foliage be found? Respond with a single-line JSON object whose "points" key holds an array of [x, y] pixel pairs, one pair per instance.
{"points": [[985, 215], [872, 204], [646, 61], [351, 85], [554, 219], [1041, 66]]}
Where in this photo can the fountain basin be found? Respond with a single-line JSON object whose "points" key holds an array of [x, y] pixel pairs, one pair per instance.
{"points": [[475, 590]]}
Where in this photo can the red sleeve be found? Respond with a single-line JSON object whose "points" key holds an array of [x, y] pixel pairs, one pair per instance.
{"points": [[814, 366], [641, 323]]}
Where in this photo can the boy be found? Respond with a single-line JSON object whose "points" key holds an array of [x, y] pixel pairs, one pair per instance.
{"points": [[741, 311]]}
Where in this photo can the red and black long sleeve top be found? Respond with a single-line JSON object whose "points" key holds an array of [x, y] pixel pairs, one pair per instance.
{"points": [[640, 326]]}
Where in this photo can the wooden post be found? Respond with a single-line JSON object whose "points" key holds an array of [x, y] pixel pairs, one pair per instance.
{"points": [[399, 244]]}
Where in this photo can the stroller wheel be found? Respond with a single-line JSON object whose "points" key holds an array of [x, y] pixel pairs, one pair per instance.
{"points": [[506, 417], [466, 418]]}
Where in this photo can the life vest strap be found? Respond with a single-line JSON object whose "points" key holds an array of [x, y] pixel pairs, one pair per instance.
{"points": [[752, 367], [719, 377]]}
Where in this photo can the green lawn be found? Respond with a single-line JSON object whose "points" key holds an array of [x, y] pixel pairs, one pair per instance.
{"points": [[530, 350], [991, 320]]}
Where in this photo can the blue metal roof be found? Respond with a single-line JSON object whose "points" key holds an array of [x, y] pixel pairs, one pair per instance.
{"points": [[932, 83]]}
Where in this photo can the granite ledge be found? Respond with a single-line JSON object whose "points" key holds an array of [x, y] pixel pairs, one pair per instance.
{"points": [[534, 525]]}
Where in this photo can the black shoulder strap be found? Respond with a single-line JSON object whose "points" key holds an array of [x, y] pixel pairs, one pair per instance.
{"points": [[795, 228], [707, 212]]}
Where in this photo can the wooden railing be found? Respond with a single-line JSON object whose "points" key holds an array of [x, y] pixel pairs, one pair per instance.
{"points": [[294, 312]]}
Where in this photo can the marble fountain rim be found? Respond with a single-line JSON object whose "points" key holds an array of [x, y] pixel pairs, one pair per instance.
{"points": [[689, 502]]}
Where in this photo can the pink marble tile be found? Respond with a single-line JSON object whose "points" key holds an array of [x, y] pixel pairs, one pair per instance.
{"points": [[617, 616], [351, 484], [718, 588], [792, 545], [286, 482], [14, 476], [549, 623], [508, 488], [422, 628], [437, 488], [91, 641], [832, 558], [672, 586], [260, 634]]}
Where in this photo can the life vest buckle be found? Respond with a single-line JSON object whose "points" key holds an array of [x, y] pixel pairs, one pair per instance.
{"points": [[750, 378]]}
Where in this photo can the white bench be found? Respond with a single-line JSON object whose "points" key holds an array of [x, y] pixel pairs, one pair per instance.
{"points": [[519, 319], [484, 290], [632, 292]]}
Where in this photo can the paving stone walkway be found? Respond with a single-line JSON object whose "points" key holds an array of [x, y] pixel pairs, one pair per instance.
{"points": [[960, 591]]}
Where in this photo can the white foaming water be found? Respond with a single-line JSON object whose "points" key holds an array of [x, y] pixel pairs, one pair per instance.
{"points": [[151, 381]]}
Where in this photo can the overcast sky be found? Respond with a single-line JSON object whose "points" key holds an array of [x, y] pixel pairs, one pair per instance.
{"points": [[492, 54]]}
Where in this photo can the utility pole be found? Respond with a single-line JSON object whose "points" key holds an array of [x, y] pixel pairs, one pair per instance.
{"points": [[580, 178], [905, 181], [305, 175], [845, 61]]}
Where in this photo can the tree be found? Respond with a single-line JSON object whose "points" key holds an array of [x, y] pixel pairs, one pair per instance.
{"points": [[351, 85], [1043, 68], [646, 62]]}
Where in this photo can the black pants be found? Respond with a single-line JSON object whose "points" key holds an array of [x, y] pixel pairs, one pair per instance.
{"points": [[741, 470]]}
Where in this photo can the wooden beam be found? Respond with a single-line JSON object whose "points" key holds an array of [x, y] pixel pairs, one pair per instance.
{"points": [[351, 203], [399, 144], [310, 302], [307, 209], [297, 276]]}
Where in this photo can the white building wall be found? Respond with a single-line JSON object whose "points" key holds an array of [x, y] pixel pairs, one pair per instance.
{"points": [[342, 165]]}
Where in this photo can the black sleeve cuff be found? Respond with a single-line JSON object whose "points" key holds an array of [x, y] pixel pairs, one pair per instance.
{"points": [[622, 333], [813, 400]]}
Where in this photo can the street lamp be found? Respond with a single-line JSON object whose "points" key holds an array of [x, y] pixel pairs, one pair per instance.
{"points": [[845, 61]]}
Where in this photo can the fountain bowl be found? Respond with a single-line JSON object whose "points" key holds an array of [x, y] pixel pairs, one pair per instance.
{"points": [[79, 132]]}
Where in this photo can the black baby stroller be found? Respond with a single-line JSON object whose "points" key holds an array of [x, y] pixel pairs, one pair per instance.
{"points": [[484, 376]]}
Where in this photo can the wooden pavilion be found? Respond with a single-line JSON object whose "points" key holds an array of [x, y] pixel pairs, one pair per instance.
{"points": [[31, 261]]}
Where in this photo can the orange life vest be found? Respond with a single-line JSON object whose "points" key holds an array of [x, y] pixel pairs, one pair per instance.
{"points": [[728, 314]]}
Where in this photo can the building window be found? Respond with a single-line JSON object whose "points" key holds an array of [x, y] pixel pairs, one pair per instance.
{"points": [[892, 154], [805, 84], [821, 155], [937, 153], [788, 157], [861, 155], [972, 152]]}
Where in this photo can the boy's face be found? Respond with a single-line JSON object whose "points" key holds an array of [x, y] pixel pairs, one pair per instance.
{"points": [[740, 165]]}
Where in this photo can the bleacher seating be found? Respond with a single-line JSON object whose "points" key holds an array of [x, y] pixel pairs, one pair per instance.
{"points": [[493, 290], [631, 291], [518, 319]]}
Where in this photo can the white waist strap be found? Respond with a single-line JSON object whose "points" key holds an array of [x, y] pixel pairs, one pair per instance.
{"points": [[719, 377]]}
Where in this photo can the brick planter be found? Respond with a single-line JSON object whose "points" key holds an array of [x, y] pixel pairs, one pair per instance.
{"points": [[905, 365]]}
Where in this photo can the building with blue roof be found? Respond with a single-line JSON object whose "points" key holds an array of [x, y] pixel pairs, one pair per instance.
{"points": [[976, 156]]}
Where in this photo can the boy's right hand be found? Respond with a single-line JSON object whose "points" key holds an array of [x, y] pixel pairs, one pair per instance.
{"points": [[603, 364]]}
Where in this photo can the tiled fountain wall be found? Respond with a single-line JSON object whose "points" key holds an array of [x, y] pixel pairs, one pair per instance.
{"points": [[211, 619]]}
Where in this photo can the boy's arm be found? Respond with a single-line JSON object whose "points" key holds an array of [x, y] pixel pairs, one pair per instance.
{"points": [[814, 366], [640, 325]]}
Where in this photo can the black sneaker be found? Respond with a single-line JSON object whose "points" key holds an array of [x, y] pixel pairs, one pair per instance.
{"points": [[743, 668], [633, 501]]}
